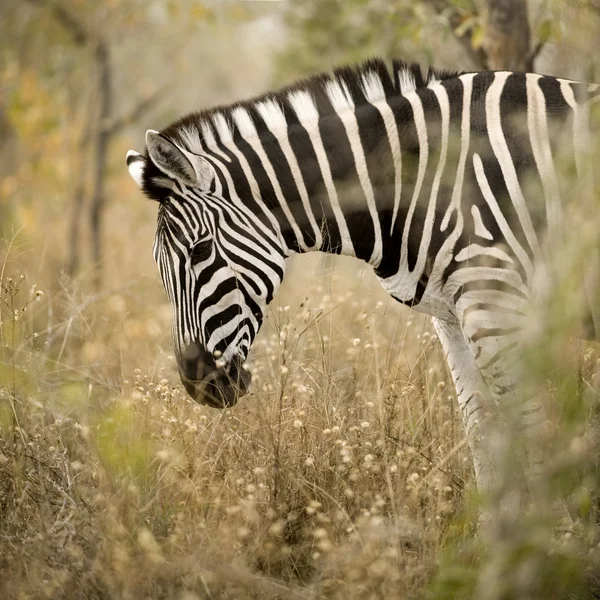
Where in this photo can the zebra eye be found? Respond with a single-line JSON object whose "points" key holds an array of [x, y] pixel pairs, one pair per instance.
{"points": [[201, 252]]}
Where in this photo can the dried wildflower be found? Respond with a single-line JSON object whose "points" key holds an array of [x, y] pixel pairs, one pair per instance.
{"points": [[276, 528]]}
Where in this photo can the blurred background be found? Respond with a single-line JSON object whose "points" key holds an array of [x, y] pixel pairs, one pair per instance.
{"points": [[81, 82], [110, 481]]}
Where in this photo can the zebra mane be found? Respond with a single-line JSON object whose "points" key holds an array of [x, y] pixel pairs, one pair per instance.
{"points": [[368, 82]]}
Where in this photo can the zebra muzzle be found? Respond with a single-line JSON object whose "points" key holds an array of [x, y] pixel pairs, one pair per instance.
{"points": [[207, 383]]}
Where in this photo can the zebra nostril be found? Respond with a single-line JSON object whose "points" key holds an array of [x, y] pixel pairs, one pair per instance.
{"points": [[208, 383], [191, 351], [196, 363]]}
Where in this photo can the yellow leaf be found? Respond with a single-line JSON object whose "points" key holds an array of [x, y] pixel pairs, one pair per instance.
{"points": [[548, 31], [200, 12], [478, 37]]}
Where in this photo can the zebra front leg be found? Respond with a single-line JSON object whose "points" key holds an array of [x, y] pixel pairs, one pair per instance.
{"points": [[476, 406], [522, 410]]}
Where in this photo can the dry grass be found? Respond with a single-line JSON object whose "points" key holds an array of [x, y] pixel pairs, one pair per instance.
{"points": [[344, 473], [337, 477]]}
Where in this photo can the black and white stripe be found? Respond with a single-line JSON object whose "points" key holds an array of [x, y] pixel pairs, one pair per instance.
{"points": [[446, 184]]}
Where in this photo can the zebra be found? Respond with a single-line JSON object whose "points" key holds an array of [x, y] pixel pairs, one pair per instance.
{"points": [[445, 183]]}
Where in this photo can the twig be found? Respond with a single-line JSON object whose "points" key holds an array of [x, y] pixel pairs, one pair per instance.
{"points": [[456, 480], [101, 154], [80, 35], [138, 111], [79, 194], [107, 127], [533, 54]]}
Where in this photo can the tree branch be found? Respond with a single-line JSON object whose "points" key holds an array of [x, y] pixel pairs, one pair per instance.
{"points": [[533, 54], [139, 110], [79, 33], [105, 92], [106, 127], [79, 188]]}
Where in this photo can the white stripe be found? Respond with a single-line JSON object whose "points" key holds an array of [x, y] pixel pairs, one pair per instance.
{"points": [[304, 107], [190, 136], [236, 251], [375, 94], [410, 279], [480, 229], [465, 140], [232, 298], [474, 250], [254, 189], [222, 127], [537, 121], [190, 229], [481, 318], [505, 228], [444, 256], [496, 297], [235, 346], [341, 99], [373, 87], [275, 120], [403, 284], [442, 98], [580, 128], [477, 273], [500, 148], [406, 80], [211, 142], [248, 132]]}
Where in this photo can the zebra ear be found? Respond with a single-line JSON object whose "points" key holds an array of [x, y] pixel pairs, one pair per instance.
{"points": [[136, 164], [170, 159]]}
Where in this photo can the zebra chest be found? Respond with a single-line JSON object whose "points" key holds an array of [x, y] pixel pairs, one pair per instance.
{"points": [[428, 298]]}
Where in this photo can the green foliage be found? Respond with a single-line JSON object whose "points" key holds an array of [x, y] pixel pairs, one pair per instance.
{"points": [[122, 447], [333, 32]]}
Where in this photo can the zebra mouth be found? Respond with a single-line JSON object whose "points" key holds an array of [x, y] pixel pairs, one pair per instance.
{"points": [[221, 387]]}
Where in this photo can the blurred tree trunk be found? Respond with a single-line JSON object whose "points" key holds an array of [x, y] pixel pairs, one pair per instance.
{"points": [[79, 193], [93, 144], [105, 93], [9, 153], [508, 40]]}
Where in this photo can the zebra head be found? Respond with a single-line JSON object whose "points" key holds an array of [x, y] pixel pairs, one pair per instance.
{"points": [[218, 271]]}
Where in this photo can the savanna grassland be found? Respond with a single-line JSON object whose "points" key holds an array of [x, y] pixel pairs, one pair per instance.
{"points": [[344, 473], [338, 476]]}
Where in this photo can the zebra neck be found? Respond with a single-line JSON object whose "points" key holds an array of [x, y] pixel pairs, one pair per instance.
{"points": [[344, 183]]}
